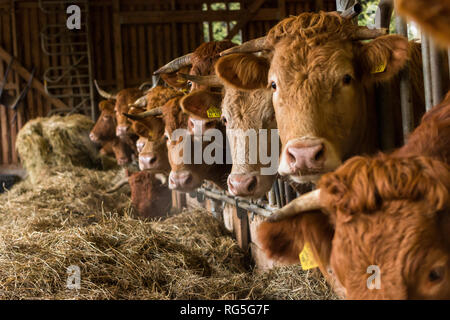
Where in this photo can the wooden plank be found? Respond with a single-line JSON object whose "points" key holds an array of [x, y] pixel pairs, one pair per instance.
{"points": [[117, 30], [245, 18], [240, 226], [25, 74], [193, 16]]}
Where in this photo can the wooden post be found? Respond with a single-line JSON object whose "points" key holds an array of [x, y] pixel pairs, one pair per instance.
{"points": [[120, 80]]}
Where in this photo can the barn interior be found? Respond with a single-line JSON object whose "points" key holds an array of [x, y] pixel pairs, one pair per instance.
{"points": [[62, 204]]}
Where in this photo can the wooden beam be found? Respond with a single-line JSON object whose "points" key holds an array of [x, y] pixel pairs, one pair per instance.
{"points": [[245, 18], [25, 74], [193, 16], [117, 30]]}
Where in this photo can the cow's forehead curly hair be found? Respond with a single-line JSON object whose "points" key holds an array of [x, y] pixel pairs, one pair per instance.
{"points": [[159, 95], [206, 55], [314, 28], [364, 185]]}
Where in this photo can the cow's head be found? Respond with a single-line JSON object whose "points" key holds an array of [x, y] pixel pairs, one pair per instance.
{"points": [[319, 72], [105, 127], [119, 148], [244, 113], [388, 214], [150, 197], [200, 62]]}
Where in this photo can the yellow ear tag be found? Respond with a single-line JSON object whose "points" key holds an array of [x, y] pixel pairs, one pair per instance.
{"points": [[214, 112], [181, 81], [380, 68], [306, 258]]}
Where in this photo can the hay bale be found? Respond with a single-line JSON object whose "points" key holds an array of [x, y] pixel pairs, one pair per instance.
{"points": [[71, 220], [56, 141]]}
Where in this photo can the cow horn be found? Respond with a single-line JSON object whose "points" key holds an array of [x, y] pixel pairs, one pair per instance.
{"points": [[306, 202], [250, 46], [175, 64], [141, 102], [364, 33], [118, 185], [145, 114], [210, 81], [148, 83], [103, 93]]}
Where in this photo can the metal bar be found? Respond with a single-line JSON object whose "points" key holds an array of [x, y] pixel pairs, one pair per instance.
{"points": [[276, 190], [436, 73], [383, 91], [352, 12], [426, 71], [243, 204], [282, 194], [405, 86]]}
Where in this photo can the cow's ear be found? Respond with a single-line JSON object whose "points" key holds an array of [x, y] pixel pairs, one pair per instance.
{"points": [[174, 80], [284, 240], [106, 105], [383, 58], [243, 71], [202, 104]]}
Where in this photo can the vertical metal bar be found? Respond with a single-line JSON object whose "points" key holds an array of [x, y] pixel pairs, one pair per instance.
{"points": [[287, 191], [282, 193], [383, 92], [272, 198], [94, 107], [426, 71], [436, 73], [342, 5], [276, 190], [405, 86]]}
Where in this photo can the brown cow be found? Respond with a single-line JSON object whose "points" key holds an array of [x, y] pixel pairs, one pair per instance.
{"points": [[201, 62], [153, 151], [322, 79], [242, 112], [103, 133], [188, 176], [150, 197], [389, 211]]}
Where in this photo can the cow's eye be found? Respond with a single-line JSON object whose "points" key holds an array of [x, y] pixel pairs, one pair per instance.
{"points": [[347, 79], [189, 84], [273, 85], [224, 120], [436, 274]]}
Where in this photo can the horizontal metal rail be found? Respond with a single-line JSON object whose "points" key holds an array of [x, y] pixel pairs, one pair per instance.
{"points": [[262, 210]]}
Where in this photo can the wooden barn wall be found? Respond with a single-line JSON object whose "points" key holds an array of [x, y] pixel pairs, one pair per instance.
{"points": [[126, 46]]}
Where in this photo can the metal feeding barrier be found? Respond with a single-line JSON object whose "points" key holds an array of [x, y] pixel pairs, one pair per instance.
{"points": [[282, 192], [70, 75]]}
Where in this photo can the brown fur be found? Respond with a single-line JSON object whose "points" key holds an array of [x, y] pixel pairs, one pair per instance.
{"points": [[175, 118], [105, 127], [149, 197], [119, 149], [392, 211], [125, 97], [311, 56], [432, 15]]}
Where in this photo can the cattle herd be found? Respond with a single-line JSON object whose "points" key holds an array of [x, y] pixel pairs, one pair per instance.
{"points": [[312, 78]]}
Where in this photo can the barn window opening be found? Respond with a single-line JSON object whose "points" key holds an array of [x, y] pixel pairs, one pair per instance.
{"points": [[219, 30]]}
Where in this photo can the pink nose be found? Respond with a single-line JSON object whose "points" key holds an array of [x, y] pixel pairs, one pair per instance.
{"points": [[243, 185], [93, 137], [180, 180], [148, 161], [306, 158], [121, 131]]}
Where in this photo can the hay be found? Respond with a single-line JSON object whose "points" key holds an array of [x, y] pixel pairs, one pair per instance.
{"points": [[71, 220], [56, 141]]}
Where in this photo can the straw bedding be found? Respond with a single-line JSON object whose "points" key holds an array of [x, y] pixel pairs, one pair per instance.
{"points": [[66, 218]]}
